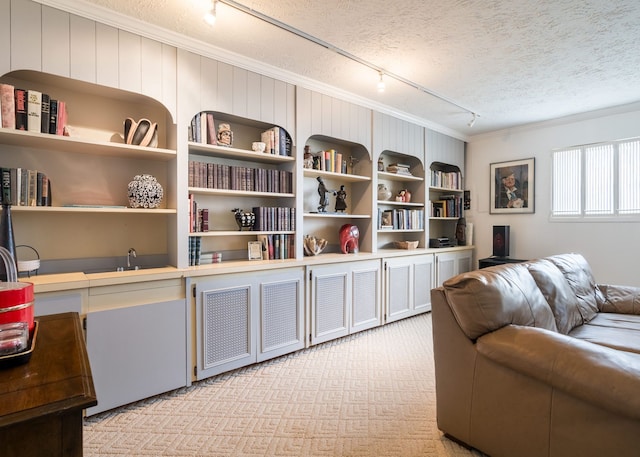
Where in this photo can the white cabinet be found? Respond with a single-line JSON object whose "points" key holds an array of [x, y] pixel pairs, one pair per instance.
{"points": [[344, 299], [449, 264], [408, 282], [60, 302], [247, 318], [136, 352]]}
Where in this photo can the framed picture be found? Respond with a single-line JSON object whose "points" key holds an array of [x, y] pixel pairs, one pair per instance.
{"points": [[512, 187], [254, 250]]}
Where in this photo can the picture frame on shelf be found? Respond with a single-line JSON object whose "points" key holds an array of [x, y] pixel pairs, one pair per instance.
{"points": [[512, 187], [254, 250]]}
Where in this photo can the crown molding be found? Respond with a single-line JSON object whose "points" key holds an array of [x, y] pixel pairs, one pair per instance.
{"points": [[127, 23]]}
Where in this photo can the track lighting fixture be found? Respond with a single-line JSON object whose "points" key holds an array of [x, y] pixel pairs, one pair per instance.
{"points": [[210, 15], [381, 85], [473, 119], [382, 72]]}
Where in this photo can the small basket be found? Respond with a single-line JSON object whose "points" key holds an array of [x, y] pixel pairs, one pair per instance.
{"points": [[406, 244], [28, 266]]}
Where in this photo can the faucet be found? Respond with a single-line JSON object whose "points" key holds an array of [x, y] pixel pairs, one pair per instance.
{"points": [[132, 252]]}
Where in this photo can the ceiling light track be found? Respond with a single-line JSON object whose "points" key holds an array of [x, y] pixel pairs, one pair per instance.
{"points": [[381, 71]]}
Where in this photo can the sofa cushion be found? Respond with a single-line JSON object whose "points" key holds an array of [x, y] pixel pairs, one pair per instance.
{"points": [[578, 274], [485, 300], [617, 331], [558, 293], [620, 299]]}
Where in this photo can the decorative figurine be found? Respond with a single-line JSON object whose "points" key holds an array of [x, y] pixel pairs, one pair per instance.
{"points": [[461, 232], [307, 161], [322, 191], [383, 192], [349, 235], [225, 135], [244, 220], [341, 203]]}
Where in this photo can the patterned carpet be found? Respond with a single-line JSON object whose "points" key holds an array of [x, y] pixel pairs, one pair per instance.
{"points": [[369, 394]]}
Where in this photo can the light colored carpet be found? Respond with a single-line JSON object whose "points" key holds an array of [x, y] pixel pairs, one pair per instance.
{"points": [[369, 394]]}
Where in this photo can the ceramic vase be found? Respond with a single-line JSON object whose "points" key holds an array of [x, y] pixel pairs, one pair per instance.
{"points": [[145, 192], [383, 192]]}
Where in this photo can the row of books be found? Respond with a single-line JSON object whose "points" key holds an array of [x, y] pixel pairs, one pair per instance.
{"points": [[330, 160], [203, 130], [447, 206], [446, 179], [401, 219], [277, 218], [22, 187], [277, 246], [31, 110], [198, 217], [209, 175]]}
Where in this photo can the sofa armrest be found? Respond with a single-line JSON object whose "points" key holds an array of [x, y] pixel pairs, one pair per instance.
{"points": [[620, 299], [595, 374]]}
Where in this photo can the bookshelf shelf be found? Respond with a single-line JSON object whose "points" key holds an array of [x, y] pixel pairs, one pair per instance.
{"points": [[210, 150], [336, 216], [46, 143], [238, 193], [398, 177], [92, 209], [218, 233], [311, 173], [401, 204]]}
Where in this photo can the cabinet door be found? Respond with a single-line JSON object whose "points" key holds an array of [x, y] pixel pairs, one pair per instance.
{"points": [[225, 339], [329, 302], [398, 288], [59, 302], [136, 352], [449, 264], [281, 313], [423, 281], [365, 296]]}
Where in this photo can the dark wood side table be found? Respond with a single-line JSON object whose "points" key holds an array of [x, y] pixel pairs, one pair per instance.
{"points": [[41, 401], [491, 261]]}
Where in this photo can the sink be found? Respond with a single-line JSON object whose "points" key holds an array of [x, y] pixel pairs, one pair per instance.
{"points": [[119, 269]]}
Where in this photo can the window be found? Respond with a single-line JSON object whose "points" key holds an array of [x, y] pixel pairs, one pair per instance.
{"points": [[597, 180]]}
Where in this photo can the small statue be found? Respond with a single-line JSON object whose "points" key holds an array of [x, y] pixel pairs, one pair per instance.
{"points": [[308, 158], [341, 203], [461, 232], [225, 135], [322, 191]]}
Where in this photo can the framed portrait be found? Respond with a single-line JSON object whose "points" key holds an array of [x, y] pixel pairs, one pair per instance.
{"points": [[512, 187]]}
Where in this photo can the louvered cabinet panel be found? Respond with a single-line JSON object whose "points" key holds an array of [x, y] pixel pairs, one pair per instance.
{"points": [[345, 298], [365, 297], [408, 282], [281, 313]]}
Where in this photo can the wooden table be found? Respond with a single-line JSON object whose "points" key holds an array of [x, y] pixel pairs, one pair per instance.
{"points": [[41, 401]]}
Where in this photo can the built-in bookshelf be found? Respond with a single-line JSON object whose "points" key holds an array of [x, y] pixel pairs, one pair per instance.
{"points": [[446, 199], [88, 166], [225, 179], [337, 166], [400, 200]]}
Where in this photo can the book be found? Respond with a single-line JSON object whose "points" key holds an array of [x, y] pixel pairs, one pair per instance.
{"points": [[5, 177], [62, 118], [211, 130], [45, 114], [21, 109], [8, 106], [34, 110], [53, 116]]}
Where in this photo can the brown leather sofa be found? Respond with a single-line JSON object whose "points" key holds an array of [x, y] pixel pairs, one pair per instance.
{"points": [[536, 359]]}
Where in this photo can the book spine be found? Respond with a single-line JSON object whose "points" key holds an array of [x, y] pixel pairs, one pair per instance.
{"points": [[8, 106], [21, 109], [53, 116], [34, 111], [211, 130], [45, 113], [6, 185], [62, 118]]}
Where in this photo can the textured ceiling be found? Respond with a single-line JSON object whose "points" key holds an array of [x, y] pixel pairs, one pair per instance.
{"points": [[513, 62]]}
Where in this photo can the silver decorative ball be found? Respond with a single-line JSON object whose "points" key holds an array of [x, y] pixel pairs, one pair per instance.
{"points": [[145, 192]]}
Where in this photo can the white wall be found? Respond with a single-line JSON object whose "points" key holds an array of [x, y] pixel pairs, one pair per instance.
{"points": [[612, 249]]}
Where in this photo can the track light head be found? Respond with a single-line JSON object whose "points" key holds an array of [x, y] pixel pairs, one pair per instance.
{"points": [[210, 15], [381, 85], [473, 119]]}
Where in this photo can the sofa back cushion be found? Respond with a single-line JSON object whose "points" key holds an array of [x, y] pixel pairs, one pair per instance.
{"points": [[560, 296], [485, 300], [579, 276]]}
